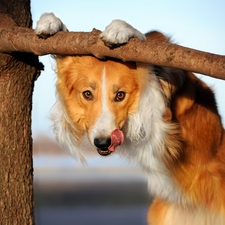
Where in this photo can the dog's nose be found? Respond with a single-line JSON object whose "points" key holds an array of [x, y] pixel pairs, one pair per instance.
{"points": [[102, 143]]}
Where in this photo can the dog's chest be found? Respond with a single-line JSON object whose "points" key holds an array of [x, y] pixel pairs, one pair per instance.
{"points": [[161, 183]]}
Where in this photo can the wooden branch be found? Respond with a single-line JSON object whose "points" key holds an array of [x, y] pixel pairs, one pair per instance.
{"points": [[18, 39]]}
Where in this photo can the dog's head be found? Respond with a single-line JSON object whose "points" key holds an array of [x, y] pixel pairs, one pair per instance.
{"points": [[97, 96], [103, 103]]}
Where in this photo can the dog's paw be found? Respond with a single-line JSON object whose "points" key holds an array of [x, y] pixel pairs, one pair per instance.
{"points": [[119, 32], [48, 25]]}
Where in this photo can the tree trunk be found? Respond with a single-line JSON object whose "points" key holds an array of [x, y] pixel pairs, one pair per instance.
{"points": [[17, 74]]}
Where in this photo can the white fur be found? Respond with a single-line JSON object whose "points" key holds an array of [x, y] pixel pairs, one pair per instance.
{"points": [[119, 32], [106, 122], [49, 24]]}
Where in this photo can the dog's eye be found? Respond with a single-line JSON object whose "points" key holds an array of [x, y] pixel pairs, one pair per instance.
{"points": [[87, 95], [120, 96]]}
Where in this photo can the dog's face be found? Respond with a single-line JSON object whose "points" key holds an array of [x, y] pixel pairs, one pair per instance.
{"points": [[98, 96]]}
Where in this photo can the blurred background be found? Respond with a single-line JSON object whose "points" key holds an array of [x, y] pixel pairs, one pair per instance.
{"points": [[109, 190]]}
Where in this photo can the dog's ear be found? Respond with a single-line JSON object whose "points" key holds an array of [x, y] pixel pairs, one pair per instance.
{"points": [[147, 121], [66, 133], [151, 124]]}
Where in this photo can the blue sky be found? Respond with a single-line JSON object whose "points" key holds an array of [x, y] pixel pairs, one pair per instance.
{"points": [[197, 24]]}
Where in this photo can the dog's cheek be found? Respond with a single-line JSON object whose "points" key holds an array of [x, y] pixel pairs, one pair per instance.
{"points": [[121, 117], [90, 117], [77, 116], [124, 110]]}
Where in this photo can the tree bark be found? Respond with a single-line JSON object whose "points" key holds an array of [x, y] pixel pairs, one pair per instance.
{"points": [[17, 74], [14, 39]]}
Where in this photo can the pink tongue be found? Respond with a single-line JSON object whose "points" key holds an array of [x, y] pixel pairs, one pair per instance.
{"points": [[117, 138]]}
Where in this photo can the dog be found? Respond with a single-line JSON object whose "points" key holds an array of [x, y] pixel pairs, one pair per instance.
{"points": [[166, 120]]}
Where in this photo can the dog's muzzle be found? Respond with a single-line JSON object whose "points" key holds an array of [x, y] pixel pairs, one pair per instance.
{"points": [[105, 146]]}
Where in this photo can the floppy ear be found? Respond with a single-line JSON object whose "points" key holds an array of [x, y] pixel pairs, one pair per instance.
{"points": [[146, 123], [66, 132]]}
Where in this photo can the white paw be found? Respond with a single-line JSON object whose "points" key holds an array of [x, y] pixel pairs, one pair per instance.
{"points": [[48, 25], [119, 32]]}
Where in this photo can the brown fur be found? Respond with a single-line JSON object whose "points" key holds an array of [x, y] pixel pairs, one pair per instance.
{"points": [[200, 168]]}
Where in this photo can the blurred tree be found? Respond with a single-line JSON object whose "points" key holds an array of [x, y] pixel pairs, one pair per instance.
{"points": [[18, 72]]}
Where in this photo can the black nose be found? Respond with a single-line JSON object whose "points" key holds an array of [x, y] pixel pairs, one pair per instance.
{"points": [[102, 143]]}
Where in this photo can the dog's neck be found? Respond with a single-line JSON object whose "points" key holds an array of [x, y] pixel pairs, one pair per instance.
{"points": [[152, 141]]}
